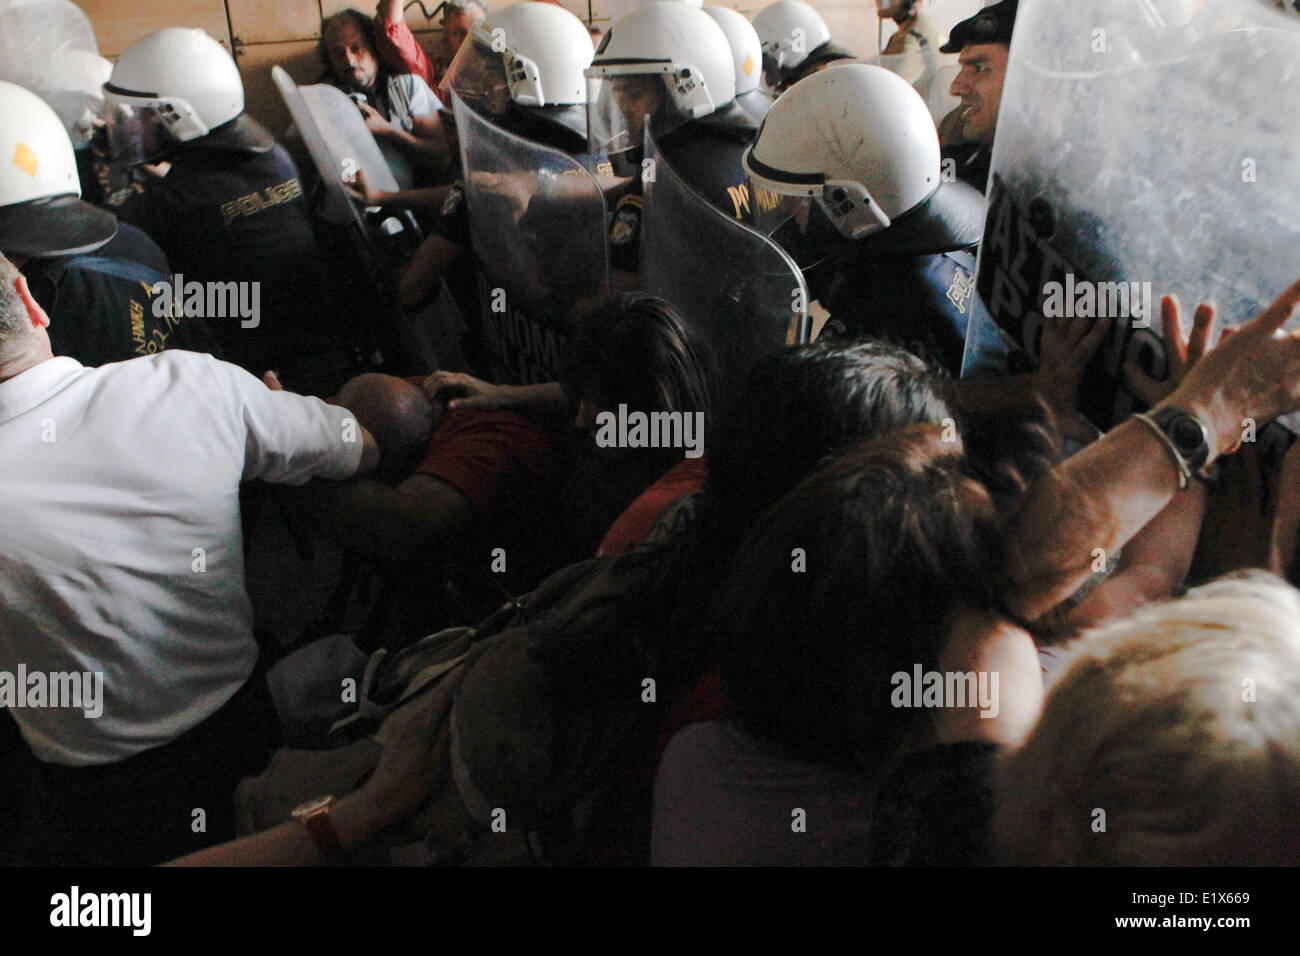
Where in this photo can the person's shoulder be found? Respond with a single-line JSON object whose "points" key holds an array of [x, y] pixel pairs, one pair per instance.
{"points": [[419, 93], [174, 362], [133, 244], [410, 84]]}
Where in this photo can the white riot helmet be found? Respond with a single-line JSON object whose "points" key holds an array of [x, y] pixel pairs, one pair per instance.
{"points": [[41, 212], [168, 88], [618, 9], [746, 55], [49, 48], [667, 61], [792, 33], [851, 153], [532, 54]]}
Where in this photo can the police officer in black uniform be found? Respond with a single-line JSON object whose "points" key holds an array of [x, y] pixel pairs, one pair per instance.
{"points": [[226, 204], [673, 64], [891, 243], [93, 278]]}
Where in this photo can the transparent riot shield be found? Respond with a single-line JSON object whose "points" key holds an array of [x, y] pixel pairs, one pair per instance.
{"points": [[734, 284], [1144, 147], [335, 134], [538, 229], [49, 47], [340, 145]]}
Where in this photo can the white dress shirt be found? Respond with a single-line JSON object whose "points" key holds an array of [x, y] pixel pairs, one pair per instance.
{"points": [[120, 543]]}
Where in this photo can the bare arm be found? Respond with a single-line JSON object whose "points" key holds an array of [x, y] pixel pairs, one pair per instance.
{"points": [[1154, 566], [387, 525], [1103, 496], [545, 403], [426, 143], [428, 199], [413, 768]]}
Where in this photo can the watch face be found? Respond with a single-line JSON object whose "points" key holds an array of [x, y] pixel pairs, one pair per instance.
{"points": [[1188, 435]]}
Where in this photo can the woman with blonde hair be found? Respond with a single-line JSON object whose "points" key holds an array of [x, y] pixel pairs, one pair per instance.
{"points": [[1170, 739]]}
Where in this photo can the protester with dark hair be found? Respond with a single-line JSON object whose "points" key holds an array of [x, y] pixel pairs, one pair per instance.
{"points": [[884, 563], [400, 108]]}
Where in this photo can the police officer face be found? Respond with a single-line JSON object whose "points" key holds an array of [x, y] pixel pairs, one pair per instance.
{"points": [[638, 97], [979, 84], [351, 59]]}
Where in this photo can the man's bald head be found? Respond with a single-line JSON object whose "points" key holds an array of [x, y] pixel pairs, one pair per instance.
{"points": [[397, 413]]}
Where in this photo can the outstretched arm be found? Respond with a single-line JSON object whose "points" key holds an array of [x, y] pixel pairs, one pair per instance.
{"points": [[1103, 496], [413, 769]]}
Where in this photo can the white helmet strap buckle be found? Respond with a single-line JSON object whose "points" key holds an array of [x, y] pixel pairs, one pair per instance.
{"points": [[525, 80], [181, 119], [852, 209], [690, 92]]}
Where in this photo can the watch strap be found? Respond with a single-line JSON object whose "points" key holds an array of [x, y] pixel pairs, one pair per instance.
{"points": [[320, 825], [1184, 469]]}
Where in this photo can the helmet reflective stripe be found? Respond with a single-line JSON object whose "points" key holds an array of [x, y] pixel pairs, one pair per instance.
{"points": [[846, 202]]}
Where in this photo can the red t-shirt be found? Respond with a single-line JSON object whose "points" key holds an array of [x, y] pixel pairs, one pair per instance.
{"points": [[398, 47], [490, 456], [637, 520], [512, 470]]}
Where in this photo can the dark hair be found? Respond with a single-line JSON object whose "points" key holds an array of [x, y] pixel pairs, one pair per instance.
{"points": [[637, 350], [364, 23], [633, 350], [800, 405], [896, 537], [797, 407]]}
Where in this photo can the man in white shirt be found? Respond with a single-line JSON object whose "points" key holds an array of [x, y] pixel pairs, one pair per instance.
{"points": [[126, 642]]}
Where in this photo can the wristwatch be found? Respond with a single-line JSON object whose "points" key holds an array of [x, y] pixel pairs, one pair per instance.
{"points": [[1186, 437], [315, 816]]}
